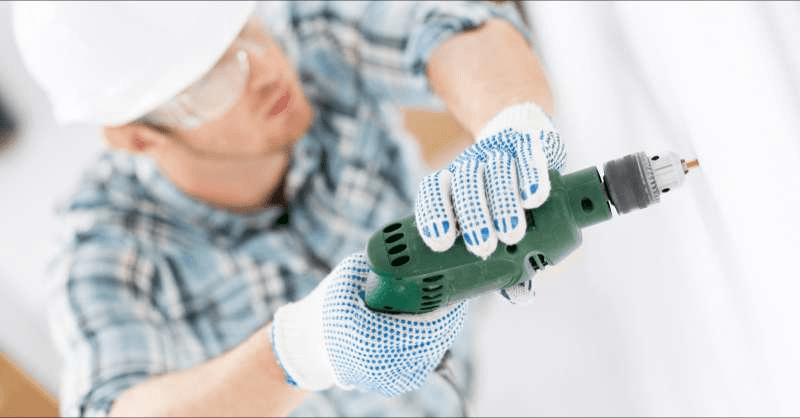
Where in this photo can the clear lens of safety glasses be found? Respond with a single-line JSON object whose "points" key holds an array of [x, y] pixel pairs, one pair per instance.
{"points": [[216, 93], [210, 97]]}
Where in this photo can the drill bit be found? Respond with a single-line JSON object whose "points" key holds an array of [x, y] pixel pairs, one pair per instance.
{"points": [[690, 165]]}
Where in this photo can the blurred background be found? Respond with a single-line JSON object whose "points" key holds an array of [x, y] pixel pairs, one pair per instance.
{"points": [[686, 308]]}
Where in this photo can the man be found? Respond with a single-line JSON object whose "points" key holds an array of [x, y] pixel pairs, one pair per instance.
{"points": [[251, 162]]}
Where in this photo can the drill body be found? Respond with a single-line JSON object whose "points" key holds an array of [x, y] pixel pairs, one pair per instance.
{"points": [[411, 278], [414, 279]]}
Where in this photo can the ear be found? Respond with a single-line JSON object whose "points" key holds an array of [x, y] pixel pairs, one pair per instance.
{"points": [[134, 138]]}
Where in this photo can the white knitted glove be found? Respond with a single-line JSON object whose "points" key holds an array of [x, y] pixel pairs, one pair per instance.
{"points": [[491, 183], [331, 338]]}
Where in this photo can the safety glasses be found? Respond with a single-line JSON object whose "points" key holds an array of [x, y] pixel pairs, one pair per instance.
{"points": [[219, 89]]}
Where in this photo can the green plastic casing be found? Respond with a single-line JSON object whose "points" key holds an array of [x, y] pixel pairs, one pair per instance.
{"points": [[415, 279]]}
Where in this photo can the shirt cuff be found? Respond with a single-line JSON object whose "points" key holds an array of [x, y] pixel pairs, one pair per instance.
{"points": [[99, 400]]}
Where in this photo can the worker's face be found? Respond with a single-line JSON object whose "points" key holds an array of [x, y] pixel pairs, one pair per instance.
{"points": [[269, 116]]}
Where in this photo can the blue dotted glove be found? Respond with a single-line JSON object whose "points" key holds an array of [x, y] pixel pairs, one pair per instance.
{"points": [[331, 338], [491, 183]]}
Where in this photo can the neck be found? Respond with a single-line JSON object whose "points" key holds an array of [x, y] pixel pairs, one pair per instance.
{"points": [[241, 186]]}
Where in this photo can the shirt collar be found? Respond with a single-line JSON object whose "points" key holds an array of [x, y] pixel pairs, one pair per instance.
{"points": [[196, 211]]}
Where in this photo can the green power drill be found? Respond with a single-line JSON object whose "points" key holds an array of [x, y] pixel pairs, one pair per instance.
{"points": [[411, 278]]}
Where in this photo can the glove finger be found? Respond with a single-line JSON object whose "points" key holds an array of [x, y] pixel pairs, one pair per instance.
{"points": [[472, 209], [554, 151], [354, 270], [434, 212], [507, 215], [534, 180]]}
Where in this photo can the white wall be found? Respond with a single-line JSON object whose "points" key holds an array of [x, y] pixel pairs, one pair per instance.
{"points": [[689, 307], [34, 173]]}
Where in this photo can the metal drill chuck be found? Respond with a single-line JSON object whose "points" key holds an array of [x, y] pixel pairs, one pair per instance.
{"points": [[637, 181]]}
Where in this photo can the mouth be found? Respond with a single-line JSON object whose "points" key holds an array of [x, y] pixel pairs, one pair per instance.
{"points": [[281, 104]]}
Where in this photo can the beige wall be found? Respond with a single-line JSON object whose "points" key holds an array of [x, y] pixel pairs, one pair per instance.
{"points": [[20, 395], [441, 138]]}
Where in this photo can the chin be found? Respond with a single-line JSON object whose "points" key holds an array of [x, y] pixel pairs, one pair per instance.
{"points": [[304, 118], [300, 122], [296, 126]]}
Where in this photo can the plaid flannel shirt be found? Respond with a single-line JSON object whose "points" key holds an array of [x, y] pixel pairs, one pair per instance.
{"points": [[156, 281]]}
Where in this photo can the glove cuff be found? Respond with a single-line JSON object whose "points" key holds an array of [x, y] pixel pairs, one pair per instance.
{"points": [[299, 345], [523, 117]]}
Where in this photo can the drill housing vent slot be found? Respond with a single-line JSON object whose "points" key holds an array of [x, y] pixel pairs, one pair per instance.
{"points": [[396, 237], [393, 227], [431, 289], [397, 249], [433, 279], [537, 261], [399, 261]]}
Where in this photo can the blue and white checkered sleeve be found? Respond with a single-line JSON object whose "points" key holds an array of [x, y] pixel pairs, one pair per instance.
{"points": [[421, 27], [105, 327]]}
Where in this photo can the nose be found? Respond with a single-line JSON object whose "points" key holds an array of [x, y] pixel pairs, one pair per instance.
{"points": [[265, 69]]}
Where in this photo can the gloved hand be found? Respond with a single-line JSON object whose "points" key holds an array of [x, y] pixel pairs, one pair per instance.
{"points": [[331, 338], [490, 184]]}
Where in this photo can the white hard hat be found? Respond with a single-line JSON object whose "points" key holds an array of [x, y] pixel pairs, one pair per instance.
{"points": [[112, 62]]}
